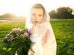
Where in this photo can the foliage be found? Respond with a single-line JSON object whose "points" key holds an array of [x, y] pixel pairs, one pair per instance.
{"points": [[63, 30], [64, 33], [17, 41], [62, 12]]}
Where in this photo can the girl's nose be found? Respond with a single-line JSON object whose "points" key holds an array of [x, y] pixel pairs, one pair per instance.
{"points": [[36, 18]]}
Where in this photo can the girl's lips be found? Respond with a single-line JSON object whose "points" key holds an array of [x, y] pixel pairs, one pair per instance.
{"points": [[36, 21]]}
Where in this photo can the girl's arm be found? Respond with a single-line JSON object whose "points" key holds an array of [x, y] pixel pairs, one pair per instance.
{"points": [[49, 36], [45, 38]]}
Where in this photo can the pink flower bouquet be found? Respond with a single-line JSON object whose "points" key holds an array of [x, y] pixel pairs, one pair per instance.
{"points": [[17, 40]]}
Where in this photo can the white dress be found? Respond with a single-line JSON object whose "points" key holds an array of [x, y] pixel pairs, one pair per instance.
{"points": [[37, 48], [49, 48]]}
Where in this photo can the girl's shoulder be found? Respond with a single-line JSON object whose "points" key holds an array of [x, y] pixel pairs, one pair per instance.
{"points": [[47, 25]]}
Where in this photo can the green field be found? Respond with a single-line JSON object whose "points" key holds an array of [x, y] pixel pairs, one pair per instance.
{"points": [[63, 29]]}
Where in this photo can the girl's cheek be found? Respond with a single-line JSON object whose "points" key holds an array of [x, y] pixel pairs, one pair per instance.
{"points": [[40, 20]]}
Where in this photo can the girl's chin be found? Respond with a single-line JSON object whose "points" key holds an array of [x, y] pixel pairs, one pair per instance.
{"points": [[36, 22]]}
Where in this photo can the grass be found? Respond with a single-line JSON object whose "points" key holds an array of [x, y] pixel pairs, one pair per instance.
{"points": [[64, 32], [63, 29], [6, 27]]}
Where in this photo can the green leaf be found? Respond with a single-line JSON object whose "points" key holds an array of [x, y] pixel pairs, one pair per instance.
{"points": [[9, 49], [4, 48]]}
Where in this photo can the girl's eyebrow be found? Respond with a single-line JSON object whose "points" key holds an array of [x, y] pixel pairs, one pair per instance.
{"points": [[33, 13]]}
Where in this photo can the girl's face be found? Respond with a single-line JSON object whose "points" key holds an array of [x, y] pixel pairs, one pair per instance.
{"points": [[36, 15]]}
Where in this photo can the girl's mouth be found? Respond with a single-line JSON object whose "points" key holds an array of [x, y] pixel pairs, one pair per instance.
{"points": [[36, 21]]}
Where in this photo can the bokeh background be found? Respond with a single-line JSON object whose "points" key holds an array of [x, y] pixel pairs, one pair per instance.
{"points": [[13, 14]]}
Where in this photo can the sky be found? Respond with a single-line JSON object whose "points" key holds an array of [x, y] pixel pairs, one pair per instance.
{"points": [[22, 7]]}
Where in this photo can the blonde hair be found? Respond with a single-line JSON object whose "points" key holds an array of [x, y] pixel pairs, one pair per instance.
{"points": [[39, 6]]}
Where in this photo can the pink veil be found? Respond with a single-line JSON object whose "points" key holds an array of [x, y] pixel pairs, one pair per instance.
{"points": [[29, 24], [51, 45]]}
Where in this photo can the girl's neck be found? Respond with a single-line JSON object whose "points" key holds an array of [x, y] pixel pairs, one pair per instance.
{"points": [[40, 24]]}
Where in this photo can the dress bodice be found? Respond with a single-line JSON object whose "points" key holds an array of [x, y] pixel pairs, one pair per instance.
{"points": [[35, 38]]}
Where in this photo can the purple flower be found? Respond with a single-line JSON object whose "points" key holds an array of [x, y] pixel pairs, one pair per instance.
{"points": [[9, 37], [16, 30], [27, 33]]}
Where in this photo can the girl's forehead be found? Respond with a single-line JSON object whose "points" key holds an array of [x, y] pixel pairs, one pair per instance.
{"points": [[38, 10]]}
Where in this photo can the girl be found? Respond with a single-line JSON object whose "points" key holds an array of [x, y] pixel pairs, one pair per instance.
{"points": [[42, 36]]}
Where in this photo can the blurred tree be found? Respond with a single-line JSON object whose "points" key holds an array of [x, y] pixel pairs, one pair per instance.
{"points": [[52, 13], [62, 12], [9, 16]]}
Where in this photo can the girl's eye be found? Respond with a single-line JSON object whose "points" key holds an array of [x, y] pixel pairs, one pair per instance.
{"points": [[33, 14], [40, 15]]}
